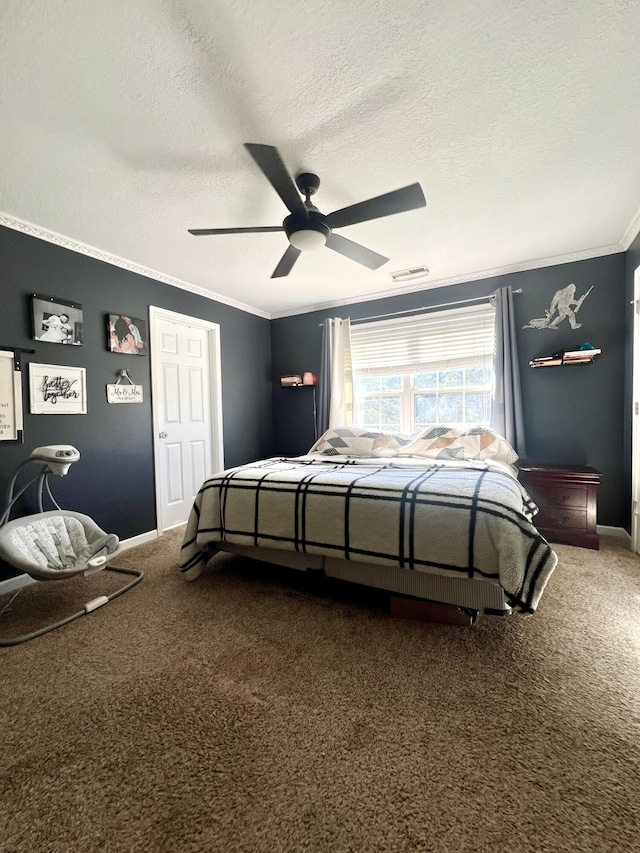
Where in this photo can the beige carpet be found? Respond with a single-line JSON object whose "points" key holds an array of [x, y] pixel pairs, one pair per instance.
{"points": [[263, 710]]}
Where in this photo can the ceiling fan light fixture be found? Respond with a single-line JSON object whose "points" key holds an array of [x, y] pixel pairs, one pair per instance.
{"points": [[309, 233], [308, 240]]}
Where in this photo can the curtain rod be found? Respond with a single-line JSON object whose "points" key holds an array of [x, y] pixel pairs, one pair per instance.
{"points": [[426, 308]]}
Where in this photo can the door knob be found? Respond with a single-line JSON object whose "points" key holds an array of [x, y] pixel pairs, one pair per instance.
{"points": [[163, 435]]}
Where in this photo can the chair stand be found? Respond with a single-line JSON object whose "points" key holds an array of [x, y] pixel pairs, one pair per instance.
{"points": [[88, 607]]}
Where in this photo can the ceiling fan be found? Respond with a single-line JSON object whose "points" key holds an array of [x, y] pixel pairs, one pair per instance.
{"points": [[306, 228]]}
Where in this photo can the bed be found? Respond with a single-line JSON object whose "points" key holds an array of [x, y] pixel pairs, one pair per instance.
{"points": [[439, 515]]}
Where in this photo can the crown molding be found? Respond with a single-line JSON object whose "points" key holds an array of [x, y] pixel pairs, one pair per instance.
{"points": [[82, 248], [631, 233], [116, 261], [570, 258]]}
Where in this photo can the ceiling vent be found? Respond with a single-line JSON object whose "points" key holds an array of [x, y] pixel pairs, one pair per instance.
{"points": [[410, 274]]}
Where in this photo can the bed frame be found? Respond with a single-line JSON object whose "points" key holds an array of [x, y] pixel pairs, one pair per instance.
{"points": [[477, 594]]}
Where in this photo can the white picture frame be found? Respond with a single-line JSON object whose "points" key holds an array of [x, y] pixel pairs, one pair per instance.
{"points": [[11, 425], [56, 389]]}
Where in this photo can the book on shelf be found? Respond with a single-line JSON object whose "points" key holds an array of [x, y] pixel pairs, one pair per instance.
{"points": [[581, 354], [552, 360], [545, 362]]}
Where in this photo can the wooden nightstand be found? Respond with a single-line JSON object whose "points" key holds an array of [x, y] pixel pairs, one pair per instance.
{"points": [[568, 498]]}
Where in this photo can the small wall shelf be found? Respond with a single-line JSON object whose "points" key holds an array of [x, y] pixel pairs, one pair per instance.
{"points": [[562, 359]]}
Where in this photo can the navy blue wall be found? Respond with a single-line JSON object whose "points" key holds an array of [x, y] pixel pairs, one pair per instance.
{"points": [[573, 415], [114, 480]]}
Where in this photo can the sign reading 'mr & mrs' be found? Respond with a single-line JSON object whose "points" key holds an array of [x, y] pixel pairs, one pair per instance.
{"points": [[124, 393]]}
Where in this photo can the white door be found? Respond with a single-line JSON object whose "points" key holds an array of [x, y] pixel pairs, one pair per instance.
{"points": [[187, 410]]}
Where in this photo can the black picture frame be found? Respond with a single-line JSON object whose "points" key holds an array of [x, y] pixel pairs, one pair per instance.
{"points": [[127, 335], [56, 321]]}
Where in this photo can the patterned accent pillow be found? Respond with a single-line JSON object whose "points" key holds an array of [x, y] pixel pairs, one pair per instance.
{"points": [[443, 442], [358, 441]]}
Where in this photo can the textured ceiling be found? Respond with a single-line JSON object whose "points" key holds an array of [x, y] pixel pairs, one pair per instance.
{"points": [[122, 123]]}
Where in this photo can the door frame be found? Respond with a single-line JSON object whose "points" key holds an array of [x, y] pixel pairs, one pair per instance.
{"points": [[635, 418], [215, 367]]}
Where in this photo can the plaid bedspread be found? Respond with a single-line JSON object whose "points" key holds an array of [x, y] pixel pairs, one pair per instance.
{"points": [[469, 518]]}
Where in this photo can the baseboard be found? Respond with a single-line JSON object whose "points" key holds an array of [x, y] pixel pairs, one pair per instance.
{"points": [[12, 584], [140, 539], [616, 532]]}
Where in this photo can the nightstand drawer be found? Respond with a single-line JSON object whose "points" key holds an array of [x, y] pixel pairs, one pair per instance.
{"points": [[559, 495], [558, 518]]}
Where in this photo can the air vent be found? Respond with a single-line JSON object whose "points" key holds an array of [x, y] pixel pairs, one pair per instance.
{"points": [[410, 274]]}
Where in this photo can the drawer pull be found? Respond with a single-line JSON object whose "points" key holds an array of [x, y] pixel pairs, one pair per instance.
{"points": [[568, 498], [558, 520]]}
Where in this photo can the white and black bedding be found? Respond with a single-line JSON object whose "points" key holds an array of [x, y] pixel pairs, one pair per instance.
{"points": [[468, 518]]}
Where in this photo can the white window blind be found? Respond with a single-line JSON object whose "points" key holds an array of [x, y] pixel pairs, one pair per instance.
{"points": [[461, 337]]}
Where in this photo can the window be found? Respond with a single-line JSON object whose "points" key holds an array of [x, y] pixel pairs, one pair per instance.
{"points": [[432, 368]]}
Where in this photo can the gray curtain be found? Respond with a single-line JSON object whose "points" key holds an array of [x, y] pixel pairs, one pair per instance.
{"points": [[506, 406]]}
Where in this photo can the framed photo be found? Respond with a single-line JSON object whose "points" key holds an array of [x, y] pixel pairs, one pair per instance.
{"points": [[127, 334], [56, 320], [56, 389], [10, 397]]}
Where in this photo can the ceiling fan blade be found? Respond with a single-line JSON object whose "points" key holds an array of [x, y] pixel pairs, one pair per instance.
{"points": [[270, 161], [356, 252], [199, 232], [407, 198], [286, 262]]}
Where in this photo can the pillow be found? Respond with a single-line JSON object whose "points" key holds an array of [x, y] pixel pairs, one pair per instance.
{"points": [[359, 441], [445, 442]]}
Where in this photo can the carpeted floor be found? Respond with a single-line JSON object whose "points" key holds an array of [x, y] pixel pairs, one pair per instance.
{"points": [[263, 710]]}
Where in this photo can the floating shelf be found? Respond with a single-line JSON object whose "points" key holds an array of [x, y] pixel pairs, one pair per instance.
{"points": [[575, 357]]}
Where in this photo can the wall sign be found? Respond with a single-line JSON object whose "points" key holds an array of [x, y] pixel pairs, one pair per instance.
{"points": [[124, 393], [10, 397], [57, 389]]}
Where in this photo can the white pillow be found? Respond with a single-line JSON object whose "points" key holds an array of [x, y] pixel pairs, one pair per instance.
{"points": [[359, 441], [440, 441]]}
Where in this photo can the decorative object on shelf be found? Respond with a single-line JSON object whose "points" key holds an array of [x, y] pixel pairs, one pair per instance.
{"points": [[56, 389], [126, 335], [11, 427], [585, 355], [567, 498], [124, 393], [56, 320], [560, 309], [291, 379]]}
